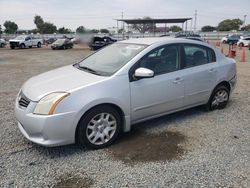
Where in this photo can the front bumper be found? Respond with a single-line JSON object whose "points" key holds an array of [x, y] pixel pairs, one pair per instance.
{"points": [[46, 130]]}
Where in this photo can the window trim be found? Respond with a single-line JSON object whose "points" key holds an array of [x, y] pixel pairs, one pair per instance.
{"points": [[135, 66]]}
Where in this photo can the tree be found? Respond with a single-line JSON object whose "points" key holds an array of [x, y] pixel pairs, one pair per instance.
{"points": [[208, 28], [44, 27], [81, 29], [10, 27], [228, 25], [64, 30], [48, 28], [39, 23], [104, 31], [175, 28], [142, 28]]}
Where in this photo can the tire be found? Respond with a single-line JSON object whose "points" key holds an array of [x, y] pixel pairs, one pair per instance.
{"points": [[222, 93], [2, 45], [224, 42], [30, 46], [39, 45], [12, 47], [22, 46], [91, 128]]}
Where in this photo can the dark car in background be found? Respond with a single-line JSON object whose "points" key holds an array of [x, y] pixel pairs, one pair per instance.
{"points": [[231, 39], [99, 42], [189, 35], [49, 40], [62, 44]]}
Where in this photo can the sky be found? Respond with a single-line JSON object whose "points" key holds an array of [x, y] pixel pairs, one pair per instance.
{"points": [[97, 14]]}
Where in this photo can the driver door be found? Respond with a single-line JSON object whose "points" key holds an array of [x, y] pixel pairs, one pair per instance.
{"points": [[162, 93], [28, 41]]}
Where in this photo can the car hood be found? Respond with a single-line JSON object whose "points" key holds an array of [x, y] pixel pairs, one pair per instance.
{"points": [[15, 40], [62, 79]]}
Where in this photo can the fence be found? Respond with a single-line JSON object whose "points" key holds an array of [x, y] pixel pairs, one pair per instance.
{"points": [[205, 35]]}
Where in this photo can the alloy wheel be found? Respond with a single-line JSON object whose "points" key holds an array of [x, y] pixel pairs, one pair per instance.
{"points": [[220, 97], [101, 128]]}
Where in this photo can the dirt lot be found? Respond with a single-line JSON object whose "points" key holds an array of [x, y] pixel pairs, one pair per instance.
{"points": [[192, 148]]}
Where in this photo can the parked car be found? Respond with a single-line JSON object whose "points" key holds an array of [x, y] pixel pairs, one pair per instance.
{"points": [[92, 101], [62, 44], [231, 39], [244, 41], [99, 42], [24, 41], [2, 43], [49, 40], [187, 34]]}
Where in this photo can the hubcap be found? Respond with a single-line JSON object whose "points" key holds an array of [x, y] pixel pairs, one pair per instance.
{"points": [[220, 97], [101, 128]]}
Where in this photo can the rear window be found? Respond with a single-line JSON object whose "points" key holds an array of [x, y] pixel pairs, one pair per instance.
{"points": [[196, 55]]}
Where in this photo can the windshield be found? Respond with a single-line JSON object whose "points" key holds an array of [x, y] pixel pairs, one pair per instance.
{"points": [[59, 41], [20, 38], [111, 58]]}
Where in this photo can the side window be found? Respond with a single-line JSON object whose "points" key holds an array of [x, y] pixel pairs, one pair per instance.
{"points": [[27, 38], [162, 60], [196, 55]]}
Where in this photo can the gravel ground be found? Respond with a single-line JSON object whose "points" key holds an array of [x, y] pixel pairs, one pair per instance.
{"points": [[192, 148]]}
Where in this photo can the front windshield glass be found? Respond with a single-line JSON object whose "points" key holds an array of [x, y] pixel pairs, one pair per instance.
{"points": [[59, 41], [111, 58], [20, 37]]}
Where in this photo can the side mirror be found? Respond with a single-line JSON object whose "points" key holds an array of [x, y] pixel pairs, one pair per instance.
{"points": [[143, 73]]}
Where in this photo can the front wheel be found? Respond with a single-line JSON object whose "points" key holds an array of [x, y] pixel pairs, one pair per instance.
{"points": [[219, 98], [99, 127], [22, 46]]}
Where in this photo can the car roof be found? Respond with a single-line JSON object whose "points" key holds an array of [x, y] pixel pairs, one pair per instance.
{"points": [[154, 40]]}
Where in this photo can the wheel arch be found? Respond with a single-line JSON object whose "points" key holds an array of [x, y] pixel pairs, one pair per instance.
{"points": [[224, 83], [124, 120]]}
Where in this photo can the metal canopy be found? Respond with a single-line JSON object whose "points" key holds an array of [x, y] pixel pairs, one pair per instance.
{"points": [[144, 21]]}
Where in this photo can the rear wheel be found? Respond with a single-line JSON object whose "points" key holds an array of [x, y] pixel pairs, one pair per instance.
{"points": [[12, 47], [99, 127], [219, 98], [39, 45], [2, 45]]}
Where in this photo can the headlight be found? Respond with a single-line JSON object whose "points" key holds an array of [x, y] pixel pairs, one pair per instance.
{"points": [[47, 104]]}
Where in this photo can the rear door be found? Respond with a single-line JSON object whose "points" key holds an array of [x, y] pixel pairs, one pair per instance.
{"points": [[200, 73]]}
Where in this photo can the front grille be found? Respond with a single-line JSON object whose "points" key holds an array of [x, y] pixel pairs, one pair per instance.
{"points": [[14, 43], [23, 101]]}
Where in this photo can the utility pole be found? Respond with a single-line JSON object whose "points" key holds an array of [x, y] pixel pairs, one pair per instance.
{"points": [[191, 26], [122, 27], [195, 20], [244, 22]]}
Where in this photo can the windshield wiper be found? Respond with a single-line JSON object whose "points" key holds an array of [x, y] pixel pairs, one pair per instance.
{"points": [[87, 69]]}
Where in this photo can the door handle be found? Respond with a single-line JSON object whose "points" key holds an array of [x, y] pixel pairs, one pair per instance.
{"points": [[177, 80]]}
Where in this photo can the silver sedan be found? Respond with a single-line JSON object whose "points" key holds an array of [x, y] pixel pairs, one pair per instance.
{"points": [[92, 101]]}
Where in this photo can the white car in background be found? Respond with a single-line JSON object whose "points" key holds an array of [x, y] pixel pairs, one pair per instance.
{"points": [[127, 82], [2, 43], [24, 41], [244, 41]]}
